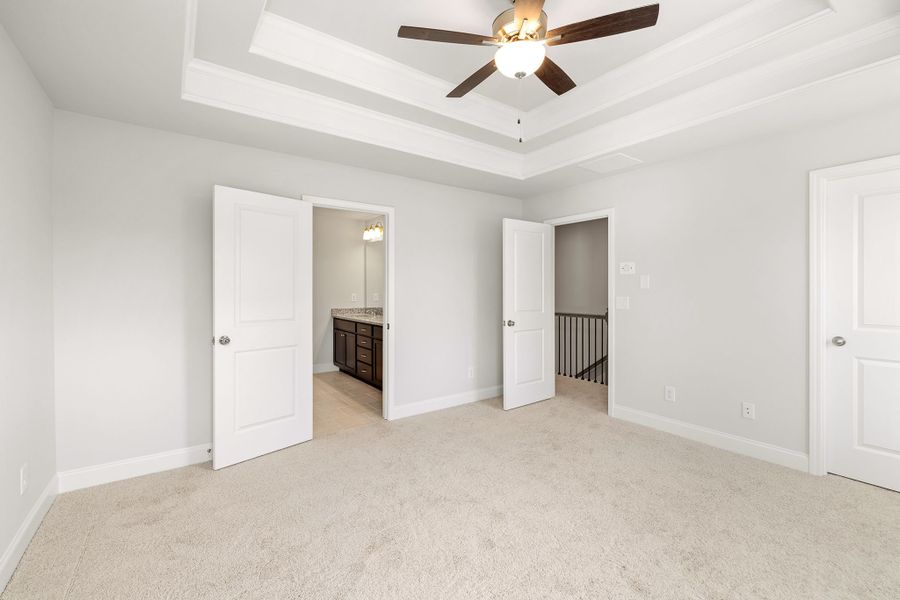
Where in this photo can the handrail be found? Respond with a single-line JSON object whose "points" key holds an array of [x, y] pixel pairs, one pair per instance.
{"points": [[596, 364]]}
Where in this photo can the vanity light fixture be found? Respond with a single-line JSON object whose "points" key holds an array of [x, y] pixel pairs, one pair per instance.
{"points": [[374, 233]]}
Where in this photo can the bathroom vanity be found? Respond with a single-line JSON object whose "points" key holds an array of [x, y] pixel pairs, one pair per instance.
{"points": [[359, 345]]}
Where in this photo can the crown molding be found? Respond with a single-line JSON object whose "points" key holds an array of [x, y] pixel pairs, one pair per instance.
{"points": [[222, 87], [741, 30], [870, 47], [302, 47]]}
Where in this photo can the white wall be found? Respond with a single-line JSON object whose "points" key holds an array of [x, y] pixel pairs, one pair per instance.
{"points": [[339, 271], [581, 267], [724, 236], [133, 292], [26, 314]]}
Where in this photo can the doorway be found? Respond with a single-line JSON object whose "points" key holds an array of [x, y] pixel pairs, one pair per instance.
{"points": [[348, 319], [584, 320], [582, 306], [854, 343], [263, 320], [529, 319]]}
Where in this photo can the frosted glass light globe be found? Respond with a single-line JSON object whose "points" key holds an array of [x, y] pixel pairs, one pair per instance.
{"points": [[520, 59]]}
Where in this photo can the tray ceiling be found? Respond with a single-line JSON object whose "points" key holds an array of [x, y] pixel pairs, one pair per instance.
{"points": [[332, 80], [374, 26]]}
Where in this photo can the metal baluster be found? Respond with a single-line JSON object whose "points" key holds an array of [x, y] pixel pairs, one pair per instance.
{"points": [[604, 346], [581, 362]]}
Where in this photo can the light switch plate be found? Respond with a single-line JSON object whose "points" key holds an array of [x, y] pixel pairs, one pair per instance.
{"points": [[23, 479], [645, 282], [627, 268], [623, 302]]}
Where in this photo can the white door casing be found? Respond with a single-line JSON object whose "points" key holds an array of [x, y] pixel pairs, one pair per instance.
{"points": [[528, 313], [859, 336], [262, 375]]}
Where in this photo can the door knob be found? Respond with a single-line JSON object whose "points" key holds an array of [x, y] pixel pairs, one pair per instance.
{"points": [[838, 341], [224, 340], [510, 323]]}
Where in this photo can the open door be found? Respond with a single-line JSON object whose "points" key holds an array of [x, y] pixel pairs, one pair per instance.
{"points": [[528, 305], [262, 315], [861, 345]]}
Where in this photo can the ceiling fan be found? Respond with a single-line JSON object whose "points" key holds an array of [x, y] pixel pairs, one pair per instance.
{"points": [[522, 36]]}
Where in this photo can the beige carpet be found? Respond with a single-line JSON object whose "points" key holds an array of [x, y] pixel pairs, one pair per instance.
{"points": [[553, 500]]}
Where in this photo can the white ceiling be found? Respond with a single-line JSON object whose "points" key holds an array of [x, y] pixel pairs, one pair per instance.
{"points": [[331, 81], [374, 25]]}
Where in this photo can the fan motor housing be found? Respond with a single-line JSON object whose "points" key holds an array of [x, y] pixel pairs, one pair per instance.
{"points": [[504, 27]]}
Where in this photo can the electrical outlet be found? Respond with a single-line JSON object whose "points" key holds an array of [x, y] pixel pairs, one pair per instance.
{"points": [[748, 410], [354, 297], [670, 393], [23, 479], [471, 372]]}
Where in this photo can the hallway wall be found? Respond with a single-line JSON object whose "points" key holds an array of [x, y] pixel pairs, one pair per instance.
{"points": [[582, 267]]}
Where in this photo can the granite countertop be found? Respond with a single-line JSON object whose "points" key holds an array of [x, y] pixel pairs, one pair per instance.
{"points": [[370, 316]]}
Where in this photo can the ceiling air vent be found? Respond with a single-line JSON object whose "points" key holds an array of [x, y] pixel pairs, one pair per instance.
{"points": [[611, 163]]}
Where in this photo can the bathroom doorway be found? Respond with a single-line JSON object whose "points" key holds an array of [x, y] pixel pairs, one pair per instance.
{"points": [[352, 291]]}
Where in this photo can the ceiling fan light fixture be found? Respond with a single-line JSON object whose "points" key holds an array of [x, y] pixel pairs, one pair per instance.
{"points": [[519, 59]]}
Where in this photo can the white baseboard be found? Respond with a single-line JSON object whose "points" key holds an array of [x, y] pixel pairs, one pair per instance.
{"points": [[725, 441], [324, 368], [132, 467], [442, 402], [13, 553]]}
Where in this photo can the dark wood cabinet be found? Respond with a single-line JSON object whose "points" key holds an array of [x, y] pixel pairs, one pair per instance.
{"points": [[378, 354], [340, 348], [359, 350], [344, 350]]}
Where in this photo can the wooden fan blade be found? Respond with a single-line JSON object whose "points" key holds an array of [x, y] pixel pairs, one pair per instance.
{"points": [[554, 77], [528, 9], [440, 35], [620, 22], [472, 82]]}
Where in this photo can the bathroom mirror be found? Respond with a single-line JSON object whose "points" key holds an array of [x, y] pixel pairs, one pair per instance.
{"points": [[374, 257]]}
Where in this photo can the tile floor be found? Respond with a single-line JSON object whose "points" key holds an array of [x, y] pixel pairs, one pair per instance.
{"points": [[341, 402]]}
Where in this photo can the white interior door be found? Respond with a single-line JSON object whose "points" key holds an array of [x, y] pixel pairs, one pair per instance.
{"points": [[262, 363], [528, 319], [862, 317]]}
